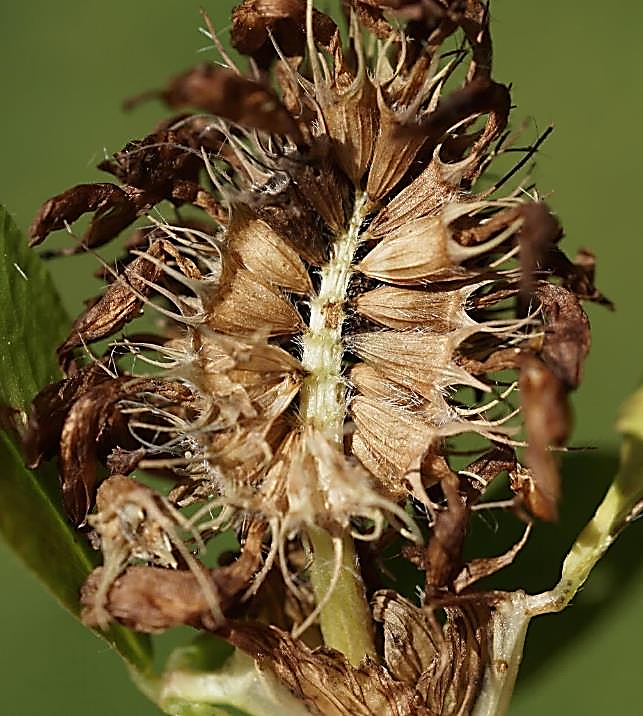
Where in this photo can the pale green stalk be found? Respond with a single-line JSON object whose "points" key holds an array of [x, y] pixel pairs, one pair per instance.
{"points": [[345, 618]]}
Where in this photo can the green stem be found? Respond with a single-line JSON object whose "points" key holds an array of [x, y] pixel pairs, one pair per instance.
{"points": [[345, 616], [345, 620]]}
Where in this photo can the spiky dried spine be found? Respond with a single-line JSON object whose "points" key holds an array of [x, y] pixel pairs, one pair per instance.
{"points": [[343, 284]]}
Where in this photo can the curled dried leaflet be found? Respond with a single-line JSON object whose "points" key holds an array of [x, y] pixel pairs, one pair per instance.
{"points": [[354, 299]]}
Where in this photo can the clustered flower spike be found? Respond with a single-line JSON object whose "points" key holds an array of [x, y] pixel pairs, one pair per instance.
{"points": [[352, 296]]}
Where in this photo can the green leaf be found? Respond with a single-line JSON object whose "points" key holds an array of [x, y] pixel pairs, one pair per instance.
{"points": [[32, 323]]}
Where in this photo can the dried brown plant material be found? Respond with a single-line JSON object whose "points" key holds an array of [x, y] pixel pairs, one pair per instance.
{"points": [[425, 248], [265, 253], [324, 680], [547, 419], [291, 215], [325, 187], [132, 522], [478, 569], [121, 302], [444, 548], [114, 208], [440, 311], [149, 599], [539, 232], [418, 360], [92, 423], [347, 306], [50, 408], [567, 338], [411, 639], [170, 154], [443, 664], [245, 303], [252, 20], [222, 92]]}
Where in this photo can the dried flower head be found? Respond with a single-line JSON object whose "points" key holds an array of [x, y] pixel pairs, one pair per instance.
{"points": [[354, 305]]}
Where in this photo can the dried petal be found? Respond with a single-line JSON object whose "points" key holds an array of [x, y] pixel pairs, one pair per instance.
{"points": [[538, 234], [478, 569], [153, 599], [444, 550], [50, 408], [94, 420], [120, 304], [547, 419], [567, 338], [114, 208], [226, 94], [155, 163], [285, 20]]}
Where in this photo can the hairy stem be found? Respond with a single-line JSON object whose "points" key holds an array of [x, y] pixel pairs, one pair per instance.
{"points": [[323, 399], [345, 617]]}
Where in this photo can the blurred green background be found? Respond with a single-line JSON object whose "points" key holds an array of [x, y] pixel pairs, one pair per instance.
{"points": [[65, 67]]}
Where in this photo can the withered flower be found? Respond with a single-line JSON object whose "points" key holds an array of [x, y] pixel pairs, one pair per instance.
{"points": [[355, 306]]}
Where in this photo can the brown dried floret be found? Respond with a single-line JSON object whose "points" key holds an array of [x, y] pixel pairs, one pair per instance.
{"points": [[93, 425], [253, 20], [323, 679], [443, 664], [226, 94], [50, 408], [134, 523], [265, 253], [245, 303], [547, 419], [567, 338], [120, 304], [114, 208]]}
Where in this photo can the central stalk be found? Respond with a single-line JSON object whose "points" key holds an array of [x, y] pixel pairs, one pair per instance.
{"points": [[345, 618], [323, 399]]}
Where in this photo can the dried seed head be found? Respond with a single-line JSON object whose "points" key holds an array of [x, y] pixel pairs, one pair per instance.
{"points": [[329, 327]]}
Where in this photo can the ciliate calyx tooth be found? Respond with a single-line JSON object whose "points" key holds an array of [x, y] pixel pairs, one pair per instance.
{"points": [[244, 304], [414, 252], [401, 308], [418, 360], [265, 253], [392, 441]]}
